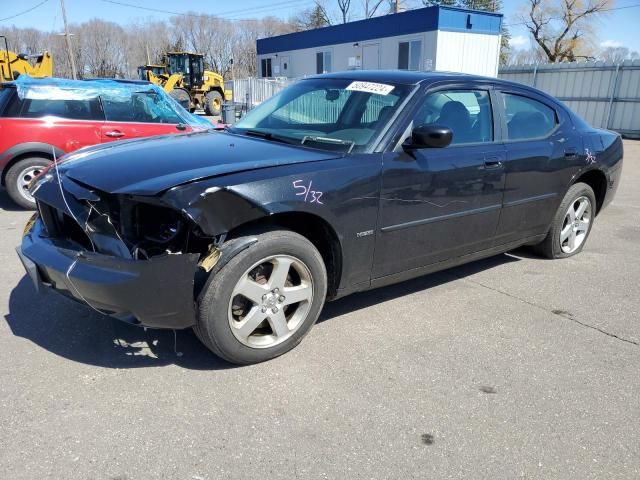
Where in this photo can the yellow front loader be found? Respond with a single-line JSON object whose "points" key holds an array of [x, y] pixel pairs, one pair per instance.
{"points": [[13, 65], [185, 79], [173, 84]]}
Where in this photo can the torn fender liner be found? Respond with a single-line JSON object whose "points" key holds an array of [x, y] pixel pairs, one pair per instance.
{"points": [[156, 293]]}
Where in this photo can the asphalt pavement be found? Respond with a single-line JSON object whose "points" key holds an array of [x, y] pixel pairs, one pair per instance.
{"points": [[510, 367]]}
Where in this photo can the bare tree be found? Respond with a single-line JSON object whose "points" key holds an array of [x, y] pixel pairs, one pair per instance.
{"points": [[343, 6], [370, 7], [617, 54], [314, 17], [564, 29]]}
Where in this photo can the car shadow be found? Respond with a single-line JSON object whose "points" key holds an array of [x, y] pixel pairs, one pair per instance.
{"points": [[7, 204], [359, 301], [76, 332]]}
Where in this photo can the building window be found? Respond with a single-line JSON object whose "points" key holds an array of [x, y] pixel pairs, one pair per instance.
{"points": [[409, 55], [323, 62], [266, 67]]}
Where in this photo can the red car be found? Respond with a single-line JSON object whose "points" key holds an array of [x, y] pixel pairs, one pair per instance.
{"points": [[42, 119]]}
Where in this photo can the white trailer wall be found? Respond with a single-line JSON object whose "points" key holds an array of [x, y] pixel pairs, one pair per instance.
{"points": [[474, 53]]}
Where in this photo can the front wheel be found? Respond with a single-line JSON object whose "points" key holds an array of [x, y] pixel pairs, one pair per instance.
{"points": [[264, 301], [213, 103], [571, 224], [182, 96], [20, 176]]}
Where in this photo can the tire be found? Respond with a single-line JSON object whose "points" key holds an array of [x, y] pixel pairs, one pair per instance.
{"points": [[213, 103], [18, 178], [182, 96], [557, 244], [223, 310]]}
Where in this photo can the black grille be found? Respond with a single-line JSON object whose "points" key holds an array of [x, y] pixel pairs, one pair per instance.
{"points": [[60, 225]]}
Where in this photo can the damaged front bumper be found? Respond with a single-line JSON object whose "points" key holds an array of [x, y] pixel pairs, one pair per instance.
{"points": [[156, 292]]}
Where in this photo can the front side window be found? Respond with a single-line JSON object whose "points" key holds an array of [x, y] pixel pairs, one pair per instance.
{"points": [[527, 118], [466, 112], [323, 62], [337, 114], [409, 55], [143, 107]]}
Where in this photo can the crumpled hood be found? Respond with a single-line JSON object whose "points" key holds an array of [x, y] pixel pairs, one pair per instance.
{"points": [[148, 166]]}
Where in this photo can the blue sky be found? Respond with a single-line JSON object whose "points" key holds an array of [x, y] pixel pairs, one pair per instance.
{"points": [[619, 27]]}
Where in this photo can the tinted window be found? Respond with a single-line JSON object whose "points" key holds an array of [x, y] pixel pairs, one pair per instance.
{"points": [[5, 94], [266, 67], [527, 118], [144, 107], [409, 55], [72, 109], [323, 62], [466, 112]]}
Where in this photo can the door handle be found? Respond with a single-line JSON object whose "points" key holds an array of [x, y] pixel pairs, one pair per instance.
{"points": [[114, 134], [492, 163], [570, 152]]}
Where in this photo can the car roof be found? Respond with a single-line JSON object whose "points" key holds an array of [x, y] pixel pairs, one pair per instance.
{"points": [[52, 81], [400, 76], [406, 77]]}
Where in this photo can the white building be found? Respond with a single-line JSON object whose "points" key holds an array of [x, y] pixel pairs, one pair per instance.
{"points": [[433, 38]]}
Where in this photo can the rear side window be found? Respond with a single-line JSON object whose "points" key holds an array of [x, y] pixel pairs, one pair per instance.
{"points": [[527, 118], [71, 109]]}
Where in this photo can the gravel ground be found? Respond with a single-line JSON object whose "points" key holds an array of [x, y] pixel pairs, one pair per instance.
{"points": [[505, 368]]}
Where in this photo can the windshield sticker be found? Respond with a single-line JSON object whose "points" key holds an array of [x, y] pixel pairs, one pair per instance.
{"points": [[311, 196], [370, 87]]}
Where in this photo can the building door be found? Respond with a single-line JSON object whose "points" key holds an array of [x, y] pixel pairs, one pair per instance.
{"points": [[284, 66], [371, 56]]}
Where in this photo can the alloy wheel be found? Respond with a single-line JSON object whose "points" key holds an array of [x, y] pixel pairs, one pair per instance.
{"points": [[270, 301], [25, 177], [575, 226]]}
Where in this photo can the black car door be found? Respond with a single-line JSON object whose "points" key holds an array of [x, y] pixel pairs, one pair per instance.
{"points": [[440, 203], [541, 152]]}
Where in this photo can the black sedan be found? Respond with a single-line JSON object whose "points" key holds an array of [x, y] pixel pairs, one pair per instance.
{"points": [[340, 183]]}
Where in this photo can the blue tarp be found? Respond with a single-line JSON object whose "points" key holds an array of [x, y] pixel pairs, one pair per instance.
{"points": [[106, 90]]}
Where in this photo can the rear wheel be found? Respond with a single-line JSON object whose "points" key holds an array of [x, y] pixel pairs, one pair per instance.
{"points": [[182, 96], [571, 224], [213, 103], [264, 301], [20, 176]]}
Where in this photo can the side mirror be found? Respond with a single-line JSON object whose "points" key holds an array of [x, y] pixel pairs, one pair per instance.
{"points": [[430, 136]]}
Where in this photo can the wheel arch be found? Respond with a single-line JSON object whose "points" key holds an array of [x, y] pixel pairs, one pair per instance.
{"points": [[28, 150], [315, 229], [597, 180]]}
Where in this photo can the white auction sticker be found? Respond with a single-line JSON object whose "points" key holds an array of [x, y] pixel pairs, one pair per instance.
{"points": [[370, 87]]}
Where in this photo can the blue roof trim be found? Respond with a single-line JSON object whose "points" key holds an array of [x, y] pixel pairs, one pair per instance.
{"points": [[405, 23]]}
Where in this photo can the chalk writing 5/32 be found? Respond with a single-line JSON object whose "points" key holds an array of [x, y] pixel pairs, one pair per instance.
{"points": [[311, 196]]}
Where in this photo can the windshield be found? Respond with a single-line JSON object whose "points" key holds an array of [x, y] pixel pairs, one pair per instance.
{"points": [[331, 114]]}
